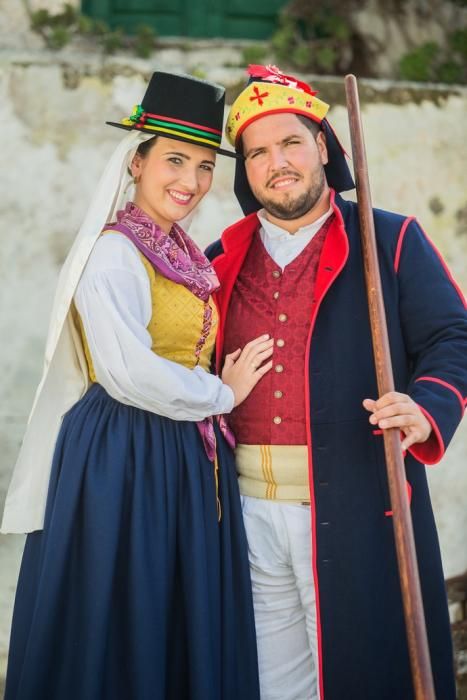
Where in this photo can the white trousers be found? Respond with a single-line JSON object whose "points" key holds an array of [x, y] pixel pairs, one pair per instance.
{"points": [[279, 543]]}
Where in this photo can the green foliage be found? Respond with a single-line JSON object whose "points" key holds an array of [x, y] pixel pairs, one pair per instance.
{"points": [[312, 36], [58, 37], [145, 41], [198, 72], [429, 62], [40, 19], [113, 41], [254, 54], [68, 16], [458, 42], [419, 64], [326, 58], [327, 25], [284, 38], [58, 30], [86, 25], [449, 72], [301, 56], [99, 27], [323, 36]]}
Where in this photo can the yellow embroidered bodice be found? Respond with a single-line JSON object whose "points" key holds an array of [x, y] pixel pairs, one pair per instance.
{"points": [[176, 324]]}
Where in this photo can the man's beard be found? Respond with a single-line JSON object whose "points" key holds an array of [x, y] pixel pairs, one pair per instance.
{"points": [[294, 208]]}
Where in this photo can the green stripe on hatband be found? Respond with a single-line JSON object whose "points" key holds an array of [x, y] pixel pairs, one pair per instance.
{"points": [[179, 127]]}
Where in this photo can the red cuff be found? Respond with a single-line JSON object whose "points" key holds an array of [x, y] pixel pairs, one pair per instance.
{"points": [[432, 450]]}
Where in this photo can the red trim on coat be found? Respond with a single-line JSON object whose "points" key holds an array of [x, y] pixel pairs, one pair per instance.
{"points": [[452, 388], [389, 513], [381, 432], [430, 451], [333, 257], [400, 241], [445, 267], [236, 241]]}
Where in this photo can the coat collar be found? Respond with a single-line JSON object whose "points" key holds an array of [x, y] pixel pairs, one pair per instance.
{"points": [[237, 237]]}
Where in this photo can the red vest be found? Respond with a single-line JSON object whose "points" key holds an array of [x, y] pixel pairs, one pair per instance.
{"points": [[268, 300]]}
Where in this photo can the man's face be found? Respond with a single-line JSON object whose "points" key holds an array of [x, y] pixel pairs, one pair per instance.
{"points": [[284, 165]]}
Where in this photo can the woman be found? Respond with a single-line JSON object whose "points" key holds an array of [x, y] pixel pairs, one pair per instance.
{"points": [[134, 582]]}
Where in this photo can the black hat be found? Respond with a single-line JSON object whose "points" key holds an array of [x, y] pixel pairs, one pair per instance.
{"points": [[180, 107]]}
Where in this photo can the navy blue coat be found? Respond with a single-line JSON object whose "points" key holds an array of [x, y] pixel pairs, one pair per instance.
{"points": [[361, 632]]}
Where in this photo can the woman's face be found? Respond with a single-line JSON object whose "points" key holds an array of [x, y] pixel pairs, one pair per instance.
{"points": [[171, 179]]}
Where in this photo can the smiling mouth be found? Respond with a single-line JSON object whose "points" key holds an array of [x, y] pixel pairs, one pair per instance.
{"points": [[283, 182], [180, 197]]}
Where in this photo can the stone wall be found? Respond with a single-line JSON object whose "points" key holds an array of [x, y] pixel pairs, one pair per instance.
{"points": [[54, 145]]}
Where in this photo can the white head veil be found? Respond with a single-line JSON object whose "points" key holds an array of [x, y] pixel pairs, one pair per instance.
{"points": [[63, 380], [65, 377], [112, 192]]}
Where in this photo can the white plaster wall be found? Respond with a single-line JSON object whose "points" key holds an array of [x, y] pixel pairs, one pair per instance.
{"points": [[54, 145]]}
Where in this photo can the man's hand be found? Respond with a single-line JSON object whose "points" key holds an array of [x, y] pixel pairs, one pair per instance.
{"points": [[394, 410]]}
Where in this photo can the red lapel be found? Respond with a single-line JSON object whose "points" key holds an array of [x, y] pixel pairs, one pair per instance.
{"points": [[236, 241]]}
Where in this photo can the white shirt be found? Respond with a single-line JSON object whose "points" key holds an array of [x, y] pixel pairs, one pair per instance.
{"points": [[282, 246], [113, 298]]}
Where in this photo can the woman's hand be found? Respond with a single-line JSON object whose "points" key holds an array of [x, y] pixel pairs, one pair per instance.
{"points": [[244, 368]]}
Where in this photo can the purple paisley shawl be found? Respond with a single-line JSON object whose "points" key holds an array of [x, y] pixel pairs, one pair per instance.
{"points": [[174, 255], [177, 257]]}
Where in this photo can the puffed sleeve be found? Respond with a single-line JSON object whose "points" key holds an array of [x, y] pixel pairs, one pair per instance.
{"points": [[114, 301]]}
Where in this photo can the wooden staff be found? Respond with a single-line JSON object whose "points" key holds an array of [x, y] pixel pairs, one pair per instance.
{"points": [[402, 522]]}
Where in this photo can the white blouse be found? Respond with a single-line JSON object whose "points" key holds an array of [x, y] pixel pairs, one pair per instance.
{"points": [[113, 298]]}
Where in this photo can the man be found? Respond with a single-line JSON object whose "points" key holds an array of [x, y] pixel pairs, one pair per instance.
{"points": [[327, 598]]}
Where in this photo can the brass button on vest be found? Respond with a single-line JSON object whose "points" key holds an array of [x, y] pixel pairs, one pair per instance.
{"points": [[276, 274], [283, 318], [275, 295], [279, 368], [278, 394], [280, 342], [277, 420]]}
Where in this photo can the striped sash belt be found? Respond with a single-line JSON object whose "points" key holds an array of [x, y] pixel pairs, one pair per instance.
{"points": [[274, 472]]}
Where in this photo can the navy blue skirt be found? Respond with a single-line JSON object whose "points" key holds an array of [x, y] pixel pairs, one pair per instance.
{"points": [[133, 590]]}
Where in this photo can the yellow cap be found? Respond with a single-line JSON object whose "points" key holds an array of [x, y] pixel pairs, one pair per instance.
{"points": [[274, 94]]}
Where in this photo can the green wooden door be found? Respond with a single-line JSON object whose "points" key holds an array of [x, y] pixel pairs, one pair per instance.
{"points": [[245, 19]]}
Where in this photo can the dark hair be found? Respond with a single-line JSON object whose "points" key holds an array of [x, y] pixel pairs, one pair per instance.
{"points": [[143, 149], [310, 124]]}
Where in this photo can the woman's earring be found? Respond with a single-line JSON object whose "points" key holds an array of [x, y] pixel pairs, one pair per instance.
{"points": [[136, 179]]}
